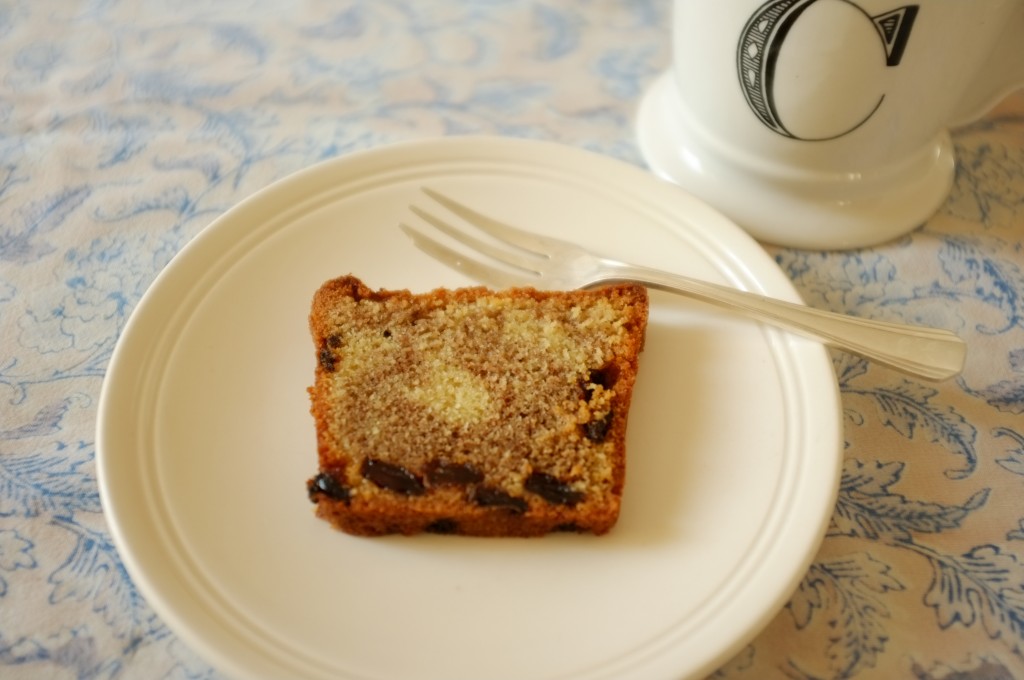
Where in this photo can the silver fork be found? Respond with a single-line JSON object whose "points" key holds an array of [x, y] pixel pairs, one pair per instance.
{"points": [[530, 259]]}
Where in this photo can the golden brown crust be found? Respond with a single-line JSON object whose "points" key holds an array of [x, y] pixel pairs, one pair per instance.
{"points": [[471, 411]]}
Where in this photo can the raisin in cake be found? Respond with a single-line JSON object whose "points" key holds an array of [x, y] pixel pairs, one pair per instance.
{"points": [[471, 411]]}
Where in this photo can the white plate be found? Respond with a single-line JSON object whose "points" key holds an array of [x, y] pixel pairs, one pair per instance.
{"points": [[205, 443]]}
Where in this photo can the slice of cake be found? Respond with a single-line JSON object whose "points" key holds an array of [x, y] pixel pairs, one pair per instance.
{"points": [[471, 411]]}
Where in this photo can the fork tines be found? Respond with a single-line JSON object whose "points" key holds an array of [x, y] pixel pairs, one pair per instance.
{"points": [[519, 251]]}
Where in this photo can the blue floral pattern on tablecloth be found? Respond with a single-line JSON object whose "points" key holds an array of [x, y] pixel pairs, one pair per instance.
{"points": [[127, 127]]}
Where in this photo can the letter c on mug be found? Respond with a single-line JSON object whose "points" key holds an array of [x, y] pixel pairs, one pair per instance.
{"points": [[760, 63]]}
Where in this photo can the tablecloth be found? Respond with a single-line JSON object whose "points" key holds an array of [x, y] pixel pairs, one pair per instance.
{"points": [[126, 127]]}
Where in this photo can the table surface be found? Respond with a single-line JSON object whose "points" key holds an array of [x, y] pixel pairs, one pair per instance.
{"points": [[127, 127]]}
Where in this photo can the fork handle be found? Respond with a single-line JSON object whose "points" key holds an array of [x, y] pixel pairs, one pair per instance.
{"points": [[931, 353]]}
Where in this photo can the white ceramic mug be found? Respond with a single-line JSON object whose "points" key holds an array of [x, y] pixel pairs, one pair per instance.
{"points": [[823, 123]]}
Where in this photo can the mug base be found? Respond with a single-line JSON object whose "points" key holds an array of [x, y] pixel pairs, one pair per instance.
{"points": [[797, 209]]}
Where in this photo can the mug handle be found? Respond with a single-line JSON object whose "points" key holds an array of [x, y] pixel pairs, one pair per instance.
{"points": [[1003, 72]]}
